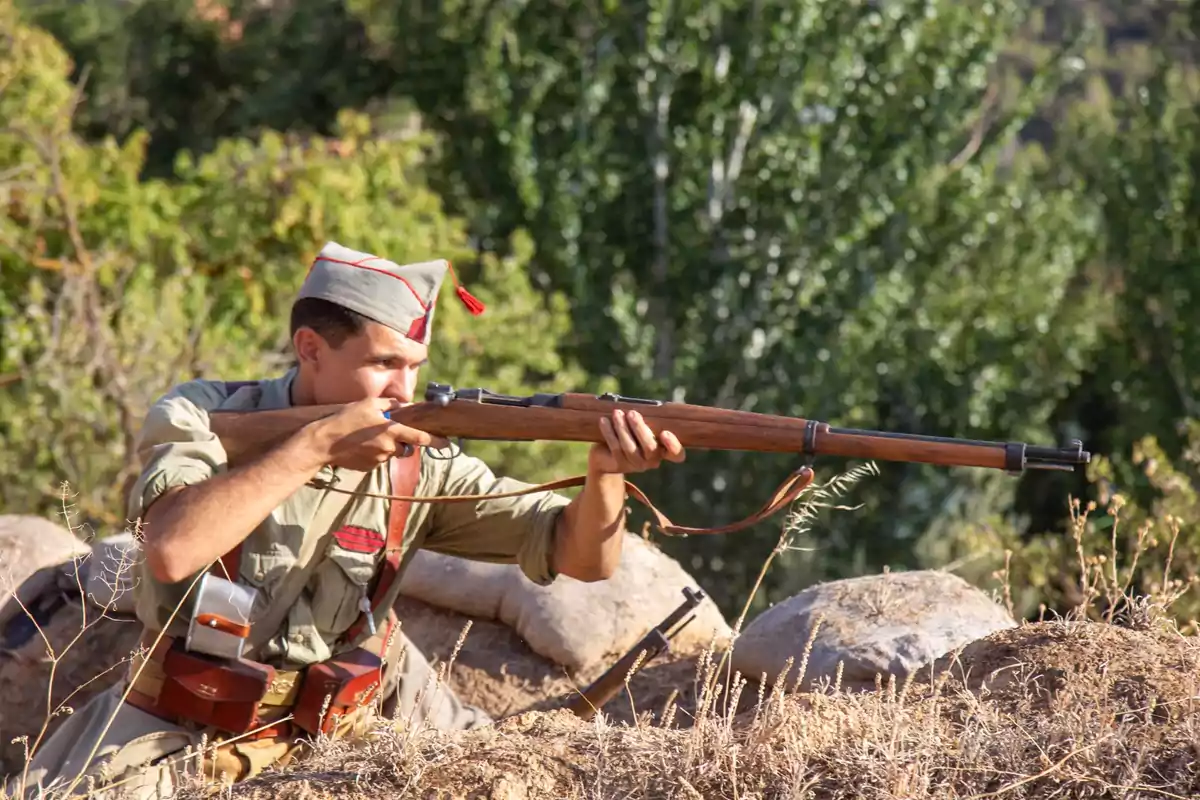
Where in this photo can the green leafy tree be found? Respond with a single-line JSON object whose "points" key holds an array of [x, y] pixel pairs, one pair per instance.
{"points": [[1138, 157], [114, 287], [192, 72], [1142, 161], [813, 208], [818, 209]]}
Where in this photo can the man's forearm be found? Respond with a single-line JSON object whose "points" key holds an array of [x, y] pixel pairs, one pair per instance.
{"points": [[189, 528], [589, 532]]}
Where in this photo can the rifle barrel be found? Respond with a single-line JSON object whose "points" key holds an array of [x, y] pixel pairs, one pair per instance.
{"points": [[1009, 456]]}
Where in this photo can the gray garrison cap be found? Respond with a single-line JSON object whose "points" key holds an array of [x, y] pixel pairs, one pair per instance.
{"points": [[401, 297]]}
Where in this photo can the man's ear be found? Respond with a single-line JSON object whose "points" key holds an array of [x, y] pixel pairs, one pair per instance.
{"points": [[308, 345]]}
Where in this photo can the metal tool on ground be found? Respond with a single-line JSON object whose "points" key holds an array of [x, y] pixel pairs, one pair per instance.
{"points": [[653, 644]]}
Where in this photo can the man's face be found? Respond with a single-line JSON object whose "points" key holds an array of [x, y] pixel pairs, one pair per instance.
{"points": [[378, 362]]}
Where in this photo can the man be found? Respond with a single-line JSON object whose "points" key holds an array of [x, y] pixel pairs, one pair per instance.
{"points": [[307, 524]]}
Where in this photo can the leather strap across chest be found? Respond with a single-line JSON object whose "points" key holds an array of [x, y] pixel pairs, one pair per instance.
{"points": [[404, 472]]}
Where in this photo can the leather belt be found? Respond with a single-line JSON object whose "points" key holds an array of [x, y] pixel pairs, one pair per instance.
{"points": [[276, 703], [290, 702]]}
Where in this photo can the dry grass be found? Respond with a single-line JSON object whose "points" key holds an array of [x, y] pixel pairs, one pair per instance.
{"points": [[1100, 703], [934, 738]]}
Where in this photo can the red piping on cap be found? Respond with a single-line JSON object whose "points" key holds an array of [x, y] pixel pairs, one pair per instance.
{"points": [[420, 301]]}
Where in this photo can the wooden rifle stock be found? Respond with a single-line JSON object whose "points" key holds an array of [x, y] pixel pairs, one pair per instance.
{"points": [[480, 414], [655, 642], [575, 417]]}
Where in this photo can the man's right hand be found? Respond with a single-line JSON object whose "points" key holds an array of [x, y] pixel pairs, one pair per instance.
{"points": [[359, 437]]}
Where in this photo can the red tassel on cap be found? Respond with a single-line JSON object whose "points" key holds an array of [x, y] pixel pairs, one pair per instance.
{"points": [[469, 300]]}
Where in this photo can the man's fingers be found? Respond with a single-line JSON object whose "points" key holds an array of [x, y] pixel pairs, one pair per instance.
{"points": [[610, 436], [645, 436], [382, 446], [386, 404], [621, 426], [673, 447]]}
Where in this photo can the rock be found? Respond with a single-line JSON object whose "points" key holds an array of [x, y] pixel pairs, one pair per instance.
{"points": [[575, 624], [35, 554], [51, 571], [498, 672], [890, 624], [494, 669]]}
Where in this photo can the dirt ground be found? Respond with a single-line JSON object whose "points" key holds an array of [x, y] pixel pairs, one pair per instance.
{"points": [[857, 745], [1043, 710], [494, 670], [498, 672], [1151, 674]]}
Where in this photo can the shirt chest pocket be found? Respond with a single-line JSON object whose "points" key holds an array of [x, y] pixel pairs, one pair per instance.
{"points": [[344, 576]]}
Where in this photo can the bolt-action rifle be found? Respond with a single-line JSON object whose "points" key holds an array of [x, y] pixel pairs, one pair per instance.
{"points": [[656, 641], [575, 417]]}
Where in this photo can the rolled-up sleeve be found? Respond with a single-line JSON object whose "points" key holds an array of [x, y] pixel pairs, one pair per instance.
{"points": [[505, 530], [176, 446]]}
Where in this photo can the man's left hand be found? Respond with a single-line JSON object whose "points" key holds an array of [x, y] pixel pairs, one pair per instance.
{"points": [[630, 446]]}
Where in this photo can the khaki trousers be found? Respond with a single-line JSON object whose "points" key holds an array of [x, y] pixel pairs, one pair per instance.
{"points": [[142, 757]]}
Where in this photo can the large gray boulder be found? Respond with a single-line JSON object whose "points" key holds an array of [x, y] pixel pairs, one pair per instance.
{"points": [[575, 624], [889, 624], [35, 555]]}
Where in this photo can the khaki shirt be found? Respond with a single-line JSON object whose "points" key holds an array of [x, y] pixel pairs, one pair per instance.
{"points": [[320, 577]]}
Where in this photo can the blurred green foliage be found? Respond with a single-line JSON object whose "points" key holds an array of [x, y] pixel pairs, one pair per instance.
{"points": [[115, 287], [959, 219]]}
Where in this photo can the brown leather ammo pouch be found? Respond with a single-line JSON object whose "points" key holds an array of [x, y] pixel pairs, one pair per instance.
{"points": [[223, 693], [349, 681]]}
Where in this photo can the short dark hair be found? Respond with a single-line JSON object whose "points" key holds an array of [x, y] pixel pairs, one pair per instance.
{"points": [[334, 323]]}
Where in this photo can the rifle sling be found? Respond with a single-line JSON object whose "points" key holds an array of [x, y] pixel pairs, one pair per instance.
{"points": [[405, 472], [780, 499]]}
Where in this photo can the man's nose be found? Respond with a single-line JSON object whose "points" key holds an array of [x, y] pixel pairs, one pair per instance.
{"points": [[400, 393], [401, 388]]}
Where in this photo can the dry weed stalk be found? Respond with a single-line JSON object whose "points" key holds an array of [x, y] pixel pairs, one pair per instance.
{"points": [[91, 614], [633, 668], [1103, 593]]}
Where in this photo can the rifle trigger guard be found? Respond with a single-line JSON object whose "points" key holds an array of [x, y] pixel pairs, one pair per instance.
{"points": [[450, 457]]}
